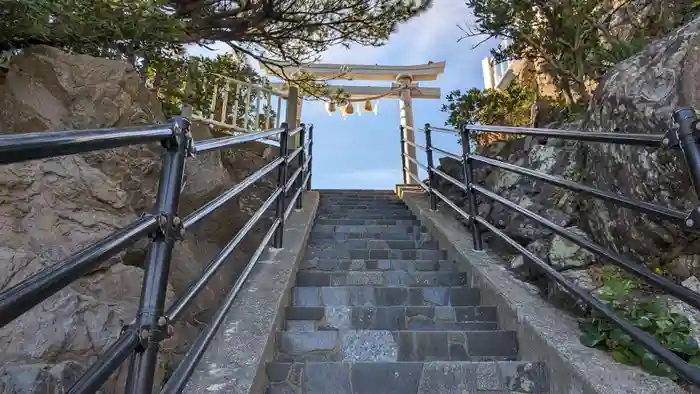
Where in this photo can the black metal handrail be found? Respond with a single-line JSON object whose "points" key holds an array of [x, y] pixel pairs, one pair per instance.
{"points": [[683, 137], [153, 322]]}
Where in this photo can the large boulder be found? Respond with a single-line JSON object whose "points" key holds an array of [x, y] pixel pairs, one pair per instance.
{"points": [[53, 207], [551, 157], [639, 96]]}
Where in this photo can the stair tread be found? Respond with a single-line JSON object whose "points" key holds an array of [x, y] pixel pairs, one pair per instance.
{"points": [[337, 265], [366, 222], [459, 313], [361, 228], [368, 295], [388, 325], [391, 318], [407, 377], [397, 345], [362, 208], [387, 236], [380, 278], [331, 251], [374, 244]]}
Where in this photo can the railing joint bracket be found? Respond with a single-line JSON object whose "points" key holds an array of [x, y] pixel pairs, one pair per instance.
{"points": [[169, 227], [181, 134], [692, 221], [670, 140], [147, 333]]}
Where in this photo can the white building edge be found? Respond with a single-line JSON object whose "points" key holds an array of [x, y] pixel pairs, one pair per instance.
{"points": [[497, 75]]}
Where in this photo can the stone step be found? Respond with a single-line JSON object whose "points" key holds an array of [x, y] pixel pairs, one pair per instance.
{"points": [[414, 324], [372, 206], [362, 199], [377, 265], [331, 251], [377, 244], [369, 229], [384, 345], [385, 296], [367, 222], [344, 236], [359, 194], [392, 318], [359, 209], [380, 278], [365, 215], [356, 191], [344, 207], [454, 377]]}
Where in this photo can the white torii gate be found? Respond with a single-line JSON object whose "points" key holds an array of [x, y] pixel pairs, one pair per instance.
{"points": [[404, 87]]}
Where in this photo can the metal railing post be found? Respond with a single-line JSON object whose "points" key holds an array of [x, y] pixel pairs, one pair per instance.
{"points": [[432, 180], [687, 122], [151, 325], [403, 156], [311, 154], [301, 160], [281, 183], [468, 169]]}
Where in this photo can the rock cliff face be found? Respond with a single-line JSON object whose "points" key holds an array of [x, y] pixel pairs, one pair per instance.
{"points": [[637, 96], [51, 208], [640, 96]]}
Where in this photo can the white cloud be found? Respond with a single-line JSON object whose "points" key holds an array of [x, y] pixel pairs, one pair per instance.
{"points": [[431, 36], [415, 42]]}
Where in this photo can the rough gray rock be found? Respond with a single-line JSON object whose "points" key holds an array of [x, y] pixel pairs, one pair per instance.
{"points": [[564, 254], [562, 298], [639, 96], [53, 207], [551, 157]]}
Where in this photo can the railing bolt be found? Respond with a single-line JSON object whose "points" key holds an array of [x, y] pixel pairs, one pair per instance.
{"points": [[162, 321], [666, 141], [145, 334], [176, 221], [689, 223]]}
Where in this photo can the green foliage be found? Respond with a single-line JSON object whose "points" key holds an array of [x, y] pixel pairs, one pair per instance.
{"points": [[105, 28], [192, 79], [508, 107], [576, 41], [273, 31], [153, 34], [672, 330], [489, 106]]}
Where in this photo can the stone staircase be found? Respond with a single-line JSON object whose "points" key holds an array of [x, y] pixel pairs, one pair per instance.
{"points": [[377, 309]]}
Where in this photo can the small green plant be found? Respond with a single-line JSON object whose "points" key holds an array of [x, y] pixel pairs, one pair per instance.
{"points": [[672, 330]]}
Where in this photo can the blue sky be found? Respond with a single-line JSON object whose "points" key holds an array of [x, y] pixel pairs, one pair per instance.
{"points": [[363, 152]]}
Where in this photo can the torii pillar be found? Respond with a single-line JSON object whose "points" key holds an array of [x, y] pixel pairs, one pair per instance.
{"points": [[407, 128]]}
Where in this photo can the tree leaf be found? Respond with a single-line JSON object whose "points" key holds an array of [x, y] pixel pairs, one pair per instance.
{"points": [[591, 339], [643, 322], [649, 362], [621, 337], [622, 357]]}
